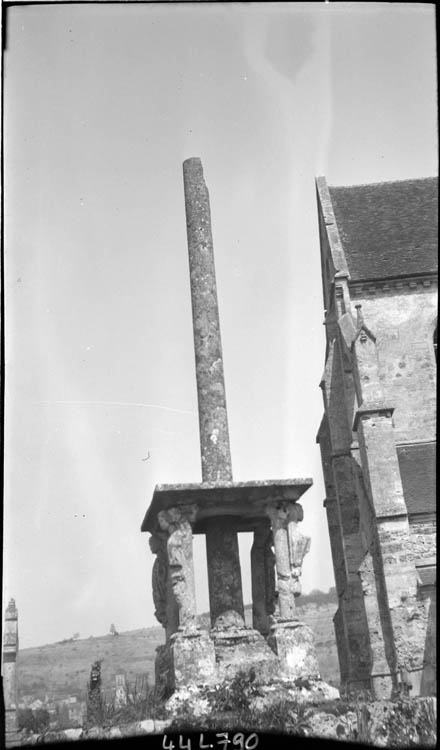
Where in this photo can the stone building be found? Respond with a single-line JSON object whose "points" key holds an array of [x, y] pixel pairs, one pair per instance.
{"points": [[377, 437]]}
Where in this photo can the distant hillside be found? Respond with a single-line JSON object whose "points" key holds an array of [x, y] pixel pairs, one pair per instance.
{"points": [[63, 669]]}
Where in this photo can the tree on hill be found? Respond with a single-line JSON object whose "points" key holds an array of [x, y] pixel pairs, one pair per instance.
{"points": [[113, 630]]}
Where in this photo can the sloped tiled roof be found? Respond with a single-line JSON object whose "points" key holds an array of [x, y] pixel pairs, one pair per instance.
{"points": [[388, 229]]}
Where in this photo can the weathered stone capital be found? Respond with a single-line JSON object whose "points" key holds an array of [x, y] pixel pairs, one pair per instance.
{"points": [[176, 517], [284, 513]]}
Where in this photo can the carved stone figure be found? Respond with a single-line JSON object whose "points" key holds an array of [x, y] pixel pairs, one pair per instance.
{"points": [[299, 545], [159, 577], [290, 549], [177, 523]]}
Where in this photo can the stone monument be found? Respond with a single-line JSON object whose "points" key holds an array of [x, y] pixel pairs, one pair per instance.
{"points": [[120, 691], [278, 646], [10, 650]]}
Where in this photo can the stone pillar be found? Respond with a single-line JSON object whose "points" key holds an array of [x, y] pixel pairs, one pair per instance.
{"points": [[177, 523], [290, 549], [166, 612], [221, 541], [224, 572], [213, 420], [263, 578], [292, 641], [191, 651], [10, 650]]}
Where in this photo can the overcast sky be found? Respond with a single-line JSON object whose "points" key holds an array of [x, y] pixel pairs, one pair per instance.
{"points": [[102, 105]]}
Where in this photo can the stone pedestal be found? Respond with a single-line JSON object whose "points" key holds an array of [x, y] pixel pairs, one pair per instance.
{"points": [[293, 643], [192, 659], [242, 649]]}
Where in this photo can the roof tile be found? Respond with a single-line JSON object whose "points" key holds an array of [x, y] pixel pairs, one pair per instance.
{"points": [[388, 229]]}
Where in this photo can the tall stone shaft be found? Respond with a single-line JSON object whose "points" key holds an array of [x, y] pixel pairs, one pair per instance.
{"points": [[213, 420], [222, 552], [10, 649]]}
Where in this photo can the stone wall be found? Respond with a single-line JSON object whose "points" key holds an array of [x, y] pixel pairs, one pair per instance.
{"points": [[386, 380], [403, 322]]}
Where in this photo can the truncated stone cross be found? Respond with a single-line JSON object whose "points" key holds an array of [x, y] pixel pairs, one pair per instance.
{"points": [[218, 507]]}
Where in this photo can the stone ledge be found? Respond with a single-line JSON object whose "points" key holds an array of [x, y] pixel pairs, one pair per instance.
{"points": [[246, 501], [370, 410]]}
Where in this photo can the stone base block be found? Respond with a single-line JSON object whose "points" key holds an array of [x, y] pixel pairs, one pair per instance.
{"points": [[162, 672], [192, 659], [241, 649], [294, 645]]}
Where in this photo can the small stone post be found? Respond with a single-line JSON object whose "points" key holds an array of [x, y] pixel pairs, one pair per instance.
{"points": [[10, 650], [221, 543], [120, 691]]}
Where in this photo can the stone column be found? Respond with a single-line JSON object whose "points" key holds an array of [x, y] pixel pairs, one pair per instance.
{"points": [[177, 523], [292, 641], [213, 420], [10, 649], [224, 572], [191, 650], [263, 578], [166, 612], [290, 549], [221, 539]]}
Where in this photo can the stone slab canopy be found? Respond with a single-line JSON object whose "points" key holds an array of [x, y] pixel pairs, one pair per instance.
{"points": [[220, 508]]}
